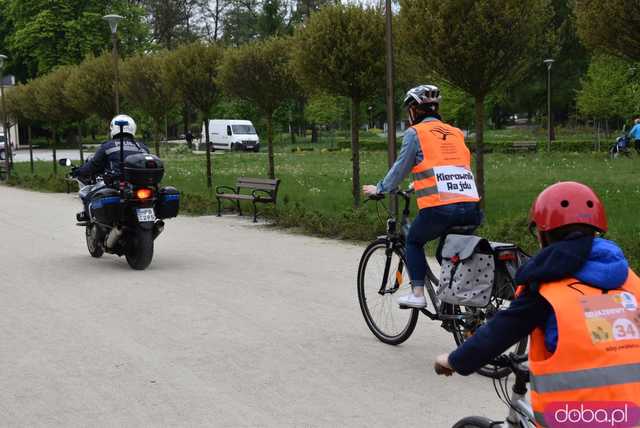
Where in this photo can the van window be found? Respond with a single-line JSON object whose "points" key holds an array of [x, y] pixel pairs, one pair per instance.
{"points": [[243, 129], [228, 130]]}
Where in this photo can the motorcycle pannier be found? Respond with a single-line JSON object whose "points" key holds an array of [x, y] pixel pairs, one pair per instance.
{"points": [[105, 206], [467, 271], [143, 169], [168, 203]]}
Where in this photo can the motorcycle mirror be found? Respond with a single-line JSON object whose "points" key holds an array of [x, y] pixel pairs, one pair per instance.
{"points": [[65, 162]]}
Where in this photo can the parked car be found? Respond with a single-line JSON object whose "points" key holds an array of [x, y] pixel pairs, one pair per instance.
{"points": [[228, 134]]}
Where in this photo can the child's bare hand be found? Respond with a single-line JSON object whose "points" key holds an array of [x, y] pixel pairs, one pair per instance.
{"points": [[442, 366]]}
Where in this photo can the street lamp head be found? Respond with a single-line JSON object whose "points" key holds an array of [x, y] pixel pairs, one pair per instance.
{"points": [[549, 62], [113, 21], [3, 58]]}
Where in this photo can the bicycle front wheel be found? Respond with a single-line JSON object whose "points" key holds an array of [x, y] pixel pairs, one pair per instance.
{"points": [[382, 278], [474, 422]]}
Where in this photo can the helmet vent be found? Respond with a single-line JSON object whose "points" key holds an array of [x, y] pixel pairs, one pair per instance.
{"points": [[564, 203], [590, 204]]}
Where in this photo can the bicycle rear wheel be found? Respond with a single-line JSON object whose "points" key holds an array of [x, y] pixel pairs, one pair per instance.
{"points": [[472, 319], [382, 278]]}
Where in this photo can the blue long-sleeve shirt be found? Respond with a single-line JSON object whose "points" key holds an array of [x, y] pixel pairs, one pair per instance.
{"points": [[410, 155]]}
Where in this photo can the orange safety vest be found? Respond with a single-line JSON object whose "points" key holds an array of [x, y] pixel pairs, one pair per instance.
{"points": [[597, 358], [444, 176]]}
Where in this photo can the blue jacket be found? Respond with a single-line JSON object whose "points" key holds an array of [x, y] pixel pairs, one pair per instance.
{"points": [[597, 262], [107, 158], [635, 132]]}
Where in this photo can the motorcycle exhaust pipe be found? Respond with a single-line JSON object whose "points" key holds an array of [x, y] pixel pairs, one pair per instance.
{"points": [[158, 228], [114, 237]]}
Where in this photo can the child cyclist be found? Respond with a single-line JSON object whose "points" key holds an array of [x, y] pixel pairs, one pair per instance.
{"points": [[579, 304]]}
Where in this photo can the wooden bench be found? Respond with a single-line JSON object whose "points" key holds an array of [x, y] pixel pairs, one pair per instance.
{"points": [[263, 191], [523, 146]]}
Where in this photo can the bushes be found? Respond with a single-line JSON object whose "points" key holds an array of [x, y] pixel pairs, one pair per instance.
{"points": [[562, 146], [365, 144]]}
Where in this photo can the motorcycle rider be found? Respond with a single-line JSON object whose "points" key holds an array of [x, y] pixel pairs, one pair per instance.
{"points": [[107, 157], [578, 300], [446, 193]]}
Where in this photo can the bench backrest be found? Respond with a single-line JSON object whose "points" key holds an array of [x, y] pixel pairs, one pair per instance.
{"points": [[266, 184]]}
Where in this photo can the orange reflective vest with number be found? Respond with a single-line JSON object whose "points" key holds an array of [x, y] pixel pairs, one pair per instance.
{"points": [[597, 358], [444, 176]]}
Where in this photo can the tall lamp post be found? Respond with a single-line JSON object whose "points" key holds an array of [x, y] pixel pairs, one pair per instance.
{"points": [[391, 116], [549, 63], [5, 121], [113, 21]]}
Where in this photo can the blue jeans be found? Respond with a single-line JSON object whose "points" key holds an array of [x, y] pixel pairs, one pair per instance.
{"points": [[430, 224]]}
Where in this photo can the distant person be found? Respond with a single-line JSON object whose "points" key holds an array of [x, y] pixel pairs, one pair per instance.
{"points": [[446, 191], [634, 134], [189, 137]]}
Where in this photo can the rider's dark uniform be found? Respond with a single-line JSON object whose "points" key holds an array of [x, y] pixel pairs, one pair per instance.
{"points": [[106, 159]]}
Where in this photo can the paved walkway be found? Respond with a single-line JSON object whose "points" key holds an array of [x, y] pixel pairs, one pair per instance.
{"points": [[233, 325]]}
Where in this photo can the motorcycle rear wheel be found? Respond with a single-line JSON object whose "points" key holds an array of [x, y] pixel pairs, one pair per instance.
{"points": [[140, 249]]}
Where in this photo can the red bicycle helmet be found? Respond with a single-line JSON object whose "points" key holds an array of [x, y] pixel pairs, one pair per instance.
{"points": [[565, 203]]}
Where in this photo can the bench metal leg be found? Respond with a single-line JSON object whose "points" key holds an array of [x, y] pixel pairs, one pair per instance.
{"points": [[239, 209], [219, 208], [255, 213]]}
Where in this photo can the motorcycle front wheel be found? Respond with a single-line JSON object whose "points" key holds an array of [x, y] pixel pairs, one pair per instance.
{"points": [[140, 249], [93, 241]]}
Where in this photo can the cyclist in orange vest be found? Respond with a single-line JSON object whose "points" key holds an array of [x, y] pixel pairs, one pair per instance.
{"points": [[446, 192], [579, 304]]}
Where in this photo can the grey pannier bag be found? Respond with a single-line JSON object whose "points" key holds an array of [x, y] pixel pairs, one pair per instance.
{"points": [[467, 271]]}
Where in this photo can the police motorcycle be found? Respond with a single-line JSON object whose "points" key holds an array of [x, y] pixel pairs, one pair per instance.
{"points": [[126, 210]]}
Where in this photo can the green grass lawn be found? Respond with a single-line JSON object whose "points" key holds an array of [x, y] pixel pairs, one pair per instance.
{"points": [[315, 191]]}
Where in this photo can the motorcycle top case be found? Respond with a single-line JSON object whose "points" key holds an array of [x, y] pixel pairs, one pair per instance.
{"points": [[105, 206], [143, 169], [168, 203]]}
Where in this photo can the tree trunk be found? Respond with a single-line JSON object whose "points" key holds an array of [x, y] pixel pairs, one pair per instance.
{"points": [[355, 150], [53, 152], [272, 169], [30, 148], [292, 134], [156, 137], [208, 142], [80, 143], [314, 133], [480, 148]]}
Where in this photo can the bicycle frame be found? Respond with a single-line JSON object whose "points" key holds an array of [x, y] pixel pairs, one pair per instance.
{"points": [[520, 410], [396, 239]]}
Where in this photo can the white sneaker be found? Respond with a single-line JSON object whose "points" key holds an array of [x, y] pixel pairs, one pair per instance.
{"points": [[411, 301]]}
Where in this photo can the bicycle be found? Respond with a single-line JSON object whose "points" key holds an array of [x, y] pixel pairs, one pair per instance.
{"points": [[377, 294], [520, 411], [622, 146]]}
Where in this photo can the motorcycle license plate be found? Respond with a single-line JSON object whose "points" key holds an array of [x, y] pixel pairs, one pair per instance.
{"points": [[145, 214]]}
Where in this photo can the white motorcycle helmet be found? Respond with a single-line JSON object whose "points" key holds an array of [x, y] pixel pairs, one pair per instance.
{"points": [[129, 128]]}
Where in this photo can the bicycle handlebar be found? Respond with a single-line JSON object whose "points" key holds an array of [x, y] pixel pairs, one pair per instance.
{"points": [[405, 194]]}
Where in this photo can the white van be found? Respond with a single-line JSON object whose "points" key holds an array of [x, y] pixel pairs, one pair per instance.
{"points": [[227, 134]]}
